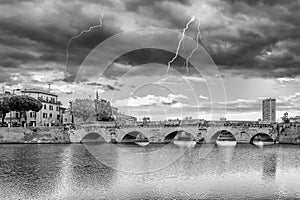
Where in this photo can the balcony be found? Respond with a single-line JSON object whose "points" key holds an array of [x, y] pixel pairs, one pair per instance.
{"points": [[52, 101]]}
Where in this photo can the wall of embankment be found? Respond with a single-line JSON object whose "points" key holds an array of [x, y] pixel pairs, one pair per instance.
{"points": [[52, 135]]}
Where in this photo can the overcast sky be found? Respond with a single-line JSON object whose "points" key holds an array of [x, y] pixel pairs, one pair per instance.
{"points": [[126, 49]]}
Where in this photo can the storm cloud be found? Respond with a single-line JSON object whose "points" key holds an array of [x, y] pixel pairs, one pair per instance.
{"points": [[245, 39]]}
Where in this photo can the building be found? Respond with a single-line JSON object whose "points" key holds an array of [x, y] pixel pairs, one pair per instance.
{"points": [[269, 110], [294, 119], [50, 113], [126, 120], [67, 117]]}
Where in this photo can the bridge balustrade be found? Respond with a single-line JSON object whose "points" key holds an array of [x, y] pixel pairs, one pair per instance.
{"points": [[159, 126]]}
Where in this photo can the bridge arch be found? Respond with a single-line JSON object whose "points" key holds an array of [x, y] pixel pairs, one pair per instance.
{"points": [[261, 134], [214, 137], [131, 137], [171, 135], [93, 137]]}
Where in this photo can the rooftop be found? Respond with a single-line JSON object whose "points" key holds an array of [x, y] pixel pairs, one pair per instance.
{"points": [[35, 90]]}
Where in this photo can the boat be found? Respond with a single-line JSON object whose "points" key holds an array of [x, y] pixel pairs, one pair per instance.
{"points": [[226, 139], [201, 141], [261, 140], [184, 140], [113, 141], [141, 140]]}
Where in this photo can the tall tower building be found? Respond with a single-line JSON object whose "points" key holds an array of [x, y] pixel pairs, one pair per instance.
{"points": [[269, 110]]}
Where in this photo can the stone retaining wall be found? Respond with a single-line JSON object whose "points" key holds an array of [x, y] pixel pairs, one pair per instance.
{"points": [[33, 135]]}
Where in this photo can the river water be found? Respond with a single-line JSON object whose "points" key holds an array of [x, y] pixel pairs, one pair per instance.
{"points": [[108, 171]]}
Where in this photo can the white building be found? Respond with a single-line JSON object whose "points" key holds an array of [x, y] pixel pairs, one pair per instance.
{"points": [[50, 113]]}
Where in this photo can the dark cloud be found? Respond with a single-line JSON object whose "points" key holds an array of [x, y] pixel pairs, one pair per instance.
{"points": [[169, 15], [261, 2], [4, 76], [13, 59], [147, 56], [134, 5], [49, 38], [172, 102], [266, 40], [257, 38], [105, 87], [81, 47]]}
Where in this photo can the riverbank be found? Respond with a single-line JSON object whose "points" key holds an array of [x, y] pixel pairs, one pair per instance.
{"points": [[35, 135]]}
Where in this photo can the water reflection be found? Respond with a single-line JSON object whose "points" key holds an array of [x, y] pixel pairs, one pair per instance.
{"points": [[134, 158], [27, 170], [269, 166], [73, 172], [226, 152], [63, 187]]}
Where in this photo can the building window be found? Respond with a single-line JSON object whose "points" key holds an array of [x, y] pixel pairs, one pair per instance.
{"points": [[50, 115], [50, 107], [45, 107], [57, 108], [32, 114], [44, 115]]}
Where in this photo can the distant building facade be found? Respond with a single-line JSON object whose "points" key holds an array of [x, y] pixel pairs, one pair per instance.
{"points": [[295, 119], [125, 120], [50, 112], [67, 117], [269, 110]]}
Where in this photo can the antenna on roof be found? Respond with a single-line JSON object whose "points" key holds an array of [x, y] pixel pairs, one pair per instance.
{"points": [[49, 84]]}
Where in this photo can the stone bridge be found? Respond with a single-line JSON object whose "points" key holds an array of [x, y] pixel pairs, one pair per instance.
{"points": [[162, 134]]}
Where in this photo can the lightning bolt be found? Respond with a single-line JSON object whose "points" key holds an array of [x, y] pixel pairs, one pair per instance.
{"points": [[195, 49], [180, 42], [80, 34]]}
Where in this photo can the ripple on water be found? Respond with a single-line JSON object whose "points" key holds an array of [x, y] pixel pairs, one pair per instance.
{"points": [[72, 172]]}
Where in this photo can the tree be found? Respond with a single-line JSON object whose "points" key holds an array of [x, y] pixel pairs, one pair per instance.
{"points": [[4, 107], [103, 110], [23, 103], [83, 108], [285, 118]]}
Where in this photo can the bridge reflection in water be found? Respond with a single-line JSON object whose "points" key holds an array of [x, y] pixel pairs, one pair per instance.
{"points": [[269, 166]]}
